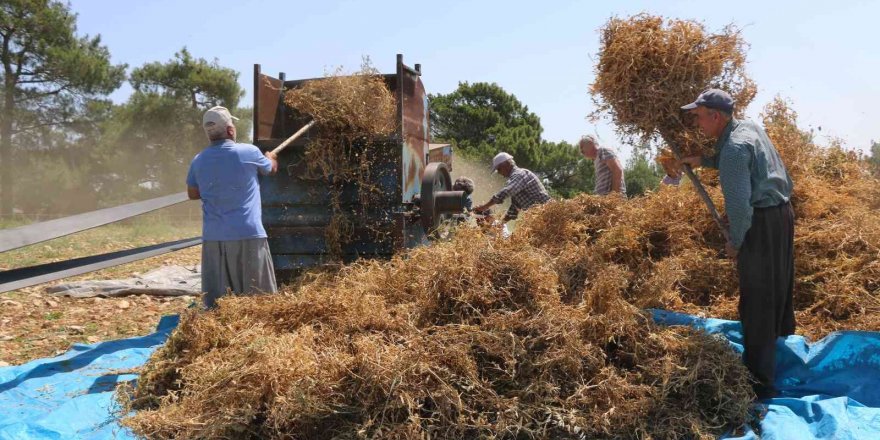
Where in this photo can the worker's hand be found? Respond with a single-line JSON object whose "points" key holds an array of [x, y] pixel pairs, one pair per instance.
{"points": [[693, 161], [274, 159], [732, 252]]}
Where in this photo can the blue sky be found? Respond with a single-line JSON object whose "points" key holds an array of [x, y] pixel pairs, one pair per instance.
{"points": [[824, 56]]}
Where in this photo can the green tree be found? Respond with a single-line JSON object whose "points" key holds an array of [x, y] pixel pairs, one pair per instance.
{"points": [[156, 133], [641, 175], [566, 172], [483, 119], [49, 75]]}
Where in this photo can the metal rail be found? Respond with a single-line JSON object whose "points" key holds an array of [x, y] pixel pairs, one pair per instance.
{"points": [[30, 276], [30, 234]]}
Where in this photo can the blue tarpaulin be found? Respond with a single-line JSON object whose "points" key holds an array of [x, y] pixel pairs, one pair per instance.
{"points": [[829, 389]]}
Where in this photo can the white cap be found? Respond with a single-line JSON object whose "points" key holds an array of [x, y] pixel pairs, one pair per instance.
{"points": [[216, 119], [499, 159]]}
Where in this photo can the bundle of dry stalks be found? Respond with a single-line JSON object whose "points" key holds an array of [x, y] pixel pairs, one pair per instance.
{"points": [[354, 115], [649, 67], [464, 339]]}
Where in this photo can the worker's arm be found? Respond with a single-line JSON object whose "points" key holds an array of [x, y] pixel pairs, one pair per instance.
{"points": [[513, 186], [192, 185], [512, 213], [484, 206], [736, 186], [193, 192], [273, 158], [616, 173]]}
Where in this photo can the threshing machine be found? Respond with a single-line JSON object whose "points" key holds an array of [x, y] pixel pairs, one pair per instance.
{"points": [[416, 191]]}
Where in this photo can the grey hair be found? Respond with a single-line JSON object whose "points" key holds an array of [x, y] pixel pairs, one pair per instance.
{"points": [[463, 184], [589, 138], [215, 133]]}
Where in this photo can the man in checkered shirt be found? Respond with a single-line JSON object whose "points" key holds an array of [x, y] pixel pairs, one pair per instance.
{"points": [[523, 187], [609, 173]]}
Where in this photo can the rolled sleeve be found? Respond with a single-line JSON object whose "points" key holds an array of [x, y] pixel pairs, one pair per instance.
{"points": [[512, 212], [734, 173]]}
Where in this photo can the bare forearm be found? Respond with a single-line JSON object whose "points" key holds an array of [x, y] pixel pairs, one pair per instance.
{"points": [[485, 206]]}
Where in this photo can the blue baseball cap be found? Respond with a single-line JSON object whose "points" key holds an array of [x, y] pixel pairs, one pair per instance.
{"points": [[713, 98]]}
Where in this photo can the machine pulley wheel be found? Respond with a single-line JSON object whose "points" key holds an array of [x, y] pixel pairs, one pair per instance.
{"points": [[438, 200]]}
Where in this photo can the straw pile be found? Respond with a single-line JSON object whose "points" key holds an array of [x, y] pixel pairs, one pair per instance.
{"points": [[464, 339], [665, 251], [649, 67], [668, 250], [354, 115]]}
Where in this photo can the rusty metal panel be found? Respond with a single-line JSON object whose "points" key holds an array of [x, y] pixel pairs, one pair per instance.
{"points": [[414, 129], [296, 206], [441, 153], [267, 101]]}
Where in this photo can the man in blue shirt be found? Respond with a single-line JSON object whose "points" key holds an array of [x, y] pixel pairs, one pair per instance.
{"points": [[235, 253], [757, 190]]}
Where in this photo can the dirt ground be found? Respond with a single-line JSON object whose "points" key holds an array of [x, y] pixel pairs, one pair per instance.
{"points": [[34, 324]]}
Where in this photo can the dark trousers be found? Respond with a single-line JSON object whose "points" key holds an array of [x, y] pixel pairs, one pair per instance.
{"points": [[766, 279]]}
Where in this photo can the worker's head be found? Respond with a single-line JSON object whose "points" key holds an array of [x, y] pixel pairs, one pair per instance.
{"points": [[503, 163], [712, 111], [463, 184], [589, 146], [218, 124]]}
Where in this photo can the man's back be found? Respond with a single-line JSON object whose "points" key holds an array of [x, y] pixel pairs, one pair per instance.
{"points": [[226, 175], [603, 174]]}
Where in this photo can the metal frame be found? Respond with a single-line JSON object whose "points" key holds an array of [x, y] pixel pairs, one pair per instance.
{"points": [[31, 234], [30, 276]]}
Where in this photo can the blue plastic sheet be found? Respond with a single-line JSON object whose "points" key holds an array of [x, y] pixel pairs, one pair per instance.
{"points": [[71, 396], [830, 389]]}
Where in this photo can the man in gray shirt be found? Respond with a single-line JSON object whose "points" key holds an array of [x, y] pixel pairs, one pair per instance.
{"points": [[609, 173], [757, 190]]}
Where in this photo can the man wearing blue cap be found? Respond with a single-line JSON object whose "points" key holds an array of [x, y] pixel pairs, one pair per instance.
{"points": [[757, 190]]}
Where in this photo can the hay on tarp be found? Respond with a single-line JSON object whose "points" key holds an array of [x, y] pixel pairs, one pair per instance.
{"points": [[648, 67], [464, 339]]}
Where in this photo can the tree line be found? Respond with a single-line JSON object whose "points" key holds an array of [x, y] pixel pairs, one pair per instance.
{"points": [[65, 147]]}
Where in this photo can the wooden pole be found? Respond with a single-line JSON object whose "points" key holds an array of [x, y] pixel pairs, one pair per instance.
{"points": [[702, 192], [295, 136]]}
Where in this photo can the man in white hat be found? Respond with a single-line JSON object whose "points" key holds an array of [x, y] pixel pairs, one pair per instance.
{"points": [[523, 187], [235, 253]]}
